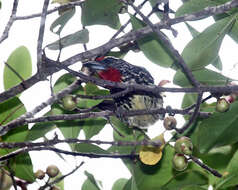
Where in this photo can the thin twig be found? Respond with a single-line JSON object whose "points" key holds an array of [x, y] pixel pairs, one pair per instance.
{"points": [[57, 180], [41, 35], [207, 168], [10, 21], [22, 121], [57, 150], [64, 6], [128, 22], [55, 141], [194, 115], [170, 47], [50, 101], [131, 36]]}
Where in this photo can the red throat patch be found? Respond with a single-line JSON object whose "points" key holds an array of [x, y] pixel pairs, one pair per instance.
{"points": [[100, 58], [111, 74]]}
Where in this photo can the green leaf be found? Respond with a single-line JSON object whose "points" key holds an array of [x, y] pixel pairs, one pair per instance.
{"points": [[234, 32], [203, 49], [184, 179], [81, 36], [92, 127], [40, 129], [61, 21], [150, 45], [63, 82], [20, 62], [89, 148], [130, 185], [152, 177], [21, 164], [22, 167], [60, 184], [119, 184], [192, 6], [90, 182], [218, 130], [101, 12], [232, 167], [188, 100], [221, 155], [193, 187], [217, 62], [204, 76], [230, 179], [10, 110], [123, 133], [91, 89], [69, 129], [227, 181]]}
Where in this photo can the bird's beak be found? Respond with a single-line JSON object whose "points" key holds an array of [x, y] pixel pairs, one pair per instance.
{"points": [[95, 66]]}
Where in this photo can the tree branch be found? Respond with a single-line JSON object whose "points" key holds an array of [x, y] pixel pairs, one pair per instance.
{"points": [[72, 153], [41, 35], [131, 36], [10, 22], [54, 141], [13, 124]]}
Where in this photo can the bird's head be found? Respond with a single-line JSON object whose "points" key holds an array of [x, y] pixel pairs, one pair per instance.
{"points": [[103, 68]]}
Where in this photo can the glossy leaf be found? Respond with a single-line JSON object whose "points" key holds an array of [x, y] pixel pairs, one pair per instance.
{"points": [[192, 6], [231, 177], [193, 187], [146, 177], [69, 128], [119, 184], [221, 155], [58, 25], [234, 32], [92, 127], [152, 48], [91, 89], [227, 181], [130, 185], [188, 100], [218, 130], [40, 129], [192, 30], [81, 36], [20, 62], [203, 49], [217, 62], [21, 164], [186, 178], [89, 148], [204, 76], [123, 133], [232, 167], [22, 167], [10, 110], [101, 12], [63, 82], [90, 182]]}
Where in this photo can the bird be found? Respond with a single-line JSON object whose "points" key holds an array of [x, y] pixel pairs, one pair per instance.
{"points": [[118, 70]]}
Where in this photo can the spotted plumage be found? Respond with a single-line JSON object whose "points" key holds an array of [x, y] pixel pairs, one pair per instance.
{"points": [[118, 70]]}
